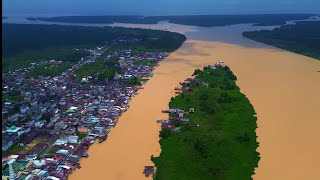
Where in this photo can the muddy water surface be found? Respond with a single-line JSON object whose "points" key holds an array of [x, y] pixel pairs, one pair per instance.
{"points": [[283, 87]]}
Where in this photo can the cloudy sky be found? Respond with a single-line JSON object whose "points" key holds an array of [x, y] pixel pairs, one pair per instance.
{"points": [[157, 7]]}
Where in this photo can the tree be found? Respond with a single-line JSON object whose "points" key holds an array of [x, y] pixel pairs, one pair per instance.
{"points": [[201, 147], [196, 72], [46, 116], [165, 133]]}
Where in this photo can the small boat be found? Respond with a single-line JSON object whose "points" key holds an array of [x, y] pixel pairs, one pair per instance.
{"points": [[148, 170], [102, 139]]}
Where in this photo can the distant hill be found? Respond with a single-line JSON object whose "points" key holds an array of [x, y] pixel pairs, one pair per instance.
{"points": [[302, 38], [31, 19], [198, 20]]}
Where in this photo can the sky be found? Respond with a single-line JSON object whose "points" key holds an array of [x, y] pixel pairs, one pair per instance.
{"points": [[157, 7]]}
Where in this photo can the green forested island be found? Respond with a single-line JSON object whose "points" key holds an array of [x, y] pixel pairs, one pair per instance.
{"points": [[26, 43], [220, 141], [198, 20], [302, 38]]}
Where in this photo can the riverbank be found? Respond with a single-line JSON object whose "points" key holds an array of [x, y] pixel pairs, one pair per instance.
{"points": [[273, 80], [300, 38]]}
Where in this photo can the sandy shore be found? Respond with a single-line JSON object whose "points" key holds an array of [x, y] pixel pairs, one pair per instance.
{"points": [[283, 87]]}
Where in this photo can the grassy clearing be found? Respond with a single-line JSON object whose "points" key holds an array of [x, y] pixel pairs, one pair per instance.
{"points": [[144, 62], [103, 69], [48, 70]]}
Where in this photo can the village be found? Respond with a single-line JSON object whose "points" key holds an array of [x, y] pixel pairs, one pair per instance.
{"points": [[56, 119]]}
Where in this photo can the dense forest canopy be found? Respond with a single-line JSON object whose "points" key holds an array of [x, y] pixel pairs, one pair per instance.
{"points": [[19, 37], [25, 43], [198, 20], [302, 38], [220, 141]]}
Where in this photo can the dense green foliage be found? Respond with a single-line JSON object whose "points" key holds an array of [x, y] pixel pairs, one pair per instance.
{"points": [[144, 62], [224, 145], [12, 96], [134, 81], [82, 135], [21, 60], [26, 43], [198, 20], [18, 37], [102, 69], [48, 70], [302, 38]]}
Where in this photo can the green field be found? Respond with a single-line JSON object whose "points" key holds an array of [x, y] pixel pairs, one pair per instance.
{"points": [[12, 96], [102, 69], [48, 70], [144, 62], [224, 144]]}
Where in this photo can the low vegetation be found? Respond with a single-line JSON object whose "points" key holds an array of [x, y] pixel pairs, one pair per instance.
{"points": [[220, 142], [144, 62], [134, 81], [101, 69], [12, 96], [48, 70], [24, 59], [302, 38]]}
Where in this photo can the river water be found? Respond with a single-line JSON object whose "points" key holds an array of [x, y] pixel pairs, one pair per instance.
{"points": [[282, 86]]}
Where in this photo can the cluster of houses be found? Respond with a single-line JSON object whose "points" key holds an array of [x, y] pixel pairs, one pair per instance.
{"points": [[177, 115], [55, 120]]}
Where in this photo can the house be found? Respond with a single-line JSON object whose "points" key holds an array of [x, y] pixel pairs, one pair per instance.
{"points": [[148, 170], [73, 158], [81, 151], [39, 124], [95, 133], [13, 130], [63, 152], [59, 126], [39, 163], [14, 117], [55, 118], [6, 145], [42, 173], [43, 109], [73, 139], [52, 178], [61, 141], [83, 129], [24, 109]]}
